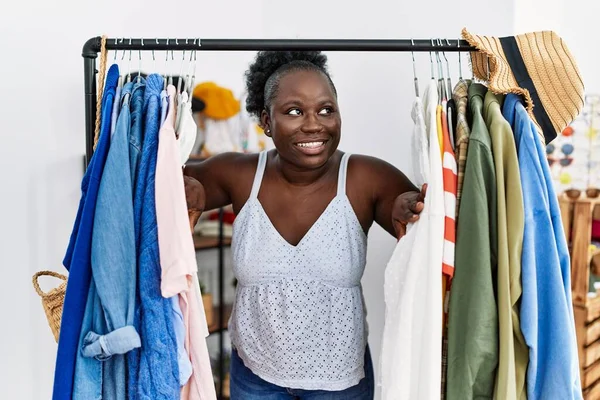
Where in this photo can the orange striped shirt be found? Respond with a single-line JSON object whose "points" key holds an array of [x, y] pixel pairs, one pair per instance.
{"points": [[450, 175]]}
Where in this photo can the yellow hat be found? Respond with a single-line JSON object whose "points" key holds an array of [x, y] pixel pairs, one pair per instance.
{"points": [[220, 102], [539, 67]]}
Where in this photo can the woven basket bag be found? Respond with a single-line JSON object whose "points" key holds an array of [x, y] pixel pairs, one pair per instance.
{"points": [[53, 300]]}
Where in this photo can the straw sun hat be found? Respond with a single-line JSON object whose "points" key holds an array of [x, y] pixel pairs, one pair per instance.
{"points": [[536, 65]]}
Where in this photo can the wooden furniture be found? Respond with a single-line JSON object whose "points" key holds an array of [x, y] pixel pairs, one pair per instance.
{"points": [[577, 221]]}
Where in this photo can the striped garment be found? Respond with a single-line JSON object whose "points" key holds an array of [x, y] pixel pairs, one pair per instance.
{"points": [[439, 115], [450, 183]]}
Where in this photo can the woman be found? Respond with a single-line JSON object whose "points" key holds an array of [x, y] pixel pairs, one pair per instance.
{"points": [[299, 240]]}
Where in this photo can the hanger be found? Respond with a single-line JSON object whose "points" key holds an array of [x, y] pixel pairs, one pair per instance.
{"points": [[129, 64], [166, 64], [120, 80], [449, 80], [139, 75], [154, 59], [193, 79], [441, 87], [181, 70], [173, 59], [431, 61], [186, 88], [414, 70]]}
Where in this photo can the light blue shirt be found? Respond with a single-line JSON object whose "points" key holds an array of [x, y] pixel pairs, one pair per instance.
{"points": [[547, 319], [114, 264]]}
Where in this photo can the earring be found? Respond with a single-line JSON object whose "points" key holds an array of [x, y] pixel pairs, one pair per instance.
{"points": [[268, 130]]}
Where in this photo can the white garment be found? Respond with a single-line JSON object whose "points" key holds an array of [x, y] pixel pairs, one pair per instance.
{"points": [[187, 129], [411, 352], [298, 319]]}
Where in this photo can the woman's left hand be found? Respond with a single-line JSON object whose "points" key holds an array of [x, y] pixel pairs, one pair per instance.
{"points": [[407, 208]]}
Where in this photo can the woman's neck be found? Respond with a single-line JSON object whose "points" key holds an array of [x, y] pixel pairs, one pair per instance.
{"points": [[296, 176]]}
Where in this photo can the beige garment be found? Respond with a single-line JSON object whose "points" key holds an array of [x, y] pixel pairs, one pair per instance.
{"points": [[460, 96], [514, 353]]}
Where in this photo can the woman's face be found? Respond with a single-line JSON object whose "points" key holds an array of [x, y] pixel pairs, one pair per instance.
{"points": [[304, 119]]}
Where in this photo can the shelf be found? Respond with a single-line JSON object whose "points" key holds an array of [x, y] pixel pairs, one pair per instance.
{"points": [[209, 242], [214, 327]]}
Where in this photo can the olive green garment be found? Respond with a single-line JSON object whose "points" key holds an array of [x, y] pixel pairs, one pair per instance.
{"points": [[473, 318], [514, 354]]}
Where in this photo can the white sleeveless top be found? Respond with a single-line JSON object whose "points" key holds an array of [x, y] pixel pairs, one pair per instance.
{"points": [[298, 319]]}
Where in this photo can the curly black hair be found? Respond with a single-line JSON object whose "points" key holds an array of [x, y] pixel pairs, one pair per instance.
{"points": [[263, 76]]}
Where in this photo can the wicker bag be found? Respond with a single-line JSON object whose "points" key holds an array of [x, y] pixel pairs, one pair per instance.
{"points": [[53, 300]]}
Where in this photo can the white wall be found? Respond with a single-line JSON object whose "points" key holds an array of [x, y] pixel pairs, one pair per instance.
{"points": [[579, 30], [42, 120]]}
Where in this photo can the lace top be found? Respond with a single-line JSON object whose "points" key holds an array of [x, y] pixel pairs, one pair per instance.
{"points": [[298, 318]]}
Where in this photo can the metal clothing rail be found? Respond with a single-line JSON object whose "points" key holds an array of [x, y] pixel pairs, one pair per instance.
{"points": [[92, 48]]}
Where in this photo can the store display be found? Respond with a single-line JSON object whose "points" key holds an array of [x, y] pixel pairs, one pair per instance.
{"points": [[159, 295]]}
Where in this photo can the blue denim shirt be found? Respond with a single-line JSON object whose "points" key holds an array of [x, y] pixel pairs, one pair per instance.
{"points": [[137, 127], [115, 111], [114, 275], [156, 370], [546, 310], [78, 256]]}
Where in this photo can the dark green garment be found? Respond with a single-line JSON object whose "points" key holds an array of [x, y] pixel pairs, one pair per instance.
{"points": [[473, 315]]}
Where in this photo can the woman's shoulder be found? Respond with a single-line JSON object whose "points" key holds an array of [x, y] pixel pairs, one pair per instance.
{"points": [[233, 160], [369, 165], [372, 174]]}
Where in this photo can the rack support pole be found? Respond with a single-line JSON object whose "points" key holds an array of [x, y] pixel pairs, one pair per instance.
{"points": [[89, 68]]}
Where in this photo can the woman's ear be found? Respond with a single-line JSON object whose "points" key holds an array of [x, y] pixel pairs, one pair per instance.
{"points": [[265, 122]]}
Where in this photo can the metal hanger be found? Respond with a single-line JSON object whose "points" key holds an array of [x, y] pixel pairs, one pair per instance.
{"points": [[448, 79], [441, 87], [120, 80], [186, 88], [193, 79], [154, 59], [166, 65], [129, 64], [414, 70], [431, 61], [116, 51], [173, 59], [139, 75], [180, 78]]}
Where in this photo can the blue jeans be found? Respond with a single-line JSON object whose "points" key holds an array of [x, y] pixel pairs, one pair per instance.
{"points": [[245, 385]]}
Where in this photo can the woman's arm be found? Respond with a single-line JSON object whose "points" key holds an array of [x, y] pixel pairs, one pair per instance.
{"points": [[216, 176], [396, 200]]}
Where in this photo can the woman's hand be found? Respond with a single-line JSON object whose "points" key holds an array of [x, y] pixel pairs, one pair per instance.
{"points": [[407, 208], [196, 199]]}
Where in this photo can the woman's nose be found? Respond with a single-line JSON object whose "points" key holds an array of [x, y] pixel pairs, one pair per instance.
{"points": [[311, 124]]}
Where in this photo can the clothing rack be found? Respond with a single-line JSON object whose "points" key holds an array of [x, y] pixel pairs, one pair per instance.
{"points": [[92, 47]]}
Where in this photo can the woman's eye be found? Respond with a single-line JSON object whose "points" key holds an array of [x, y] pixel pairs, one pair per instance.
{"points": [[326, 111], [294, 111]]}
